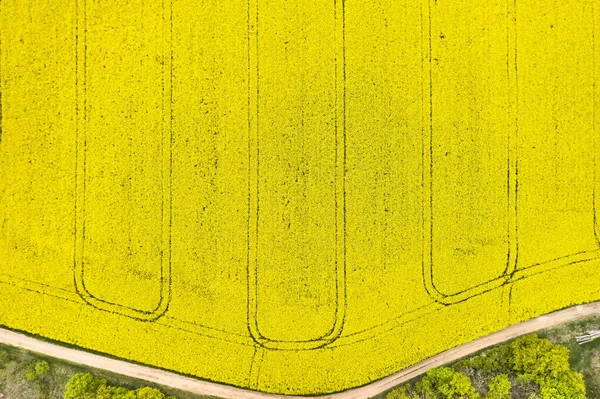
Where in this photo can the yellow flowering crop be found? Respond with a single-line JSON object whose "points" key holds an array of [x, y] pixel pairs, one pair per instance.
{"points": [[295, 196]]}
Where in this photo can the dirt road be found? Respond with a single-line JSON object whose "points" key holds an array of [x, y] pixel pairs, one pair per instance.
{"points": [[208, 388]]}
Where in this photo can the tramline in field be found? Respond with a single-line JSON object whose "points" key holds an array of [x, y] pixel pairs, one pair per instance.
{"points": [[295, 197]]}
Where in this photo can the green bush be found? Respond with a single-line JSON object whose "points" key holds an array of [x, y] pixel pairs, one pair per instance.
{"points": [[83, 386], [499, 387], [535, 357], [86, 386], [37, 369], [539, 360], [149, 393], [4, 357], [542, 369], [495, 360], [110, 392], [400, 393], [566, 385], [446, 383]]}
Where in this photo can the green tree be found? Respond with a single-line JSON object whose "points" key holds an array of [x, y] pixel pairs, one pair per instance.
{"points": [[37, 369], [536, 357], [499, 387], [497, 359], [149, 393], [546, 364], [110, 392], [400, 393], [446, 383], [83, 386], [567, 385], [86, 386]]}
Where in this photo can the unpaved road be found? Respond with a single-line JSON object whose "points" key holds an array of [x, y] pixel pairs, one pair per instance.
{"points": [[208, 388]]}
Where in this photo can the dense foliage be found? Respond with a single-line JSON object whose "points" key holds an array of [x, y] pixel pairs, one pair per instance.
{"points": [[86, 386], [529, 361], [499, 387], [38, 369], [446, 383]]}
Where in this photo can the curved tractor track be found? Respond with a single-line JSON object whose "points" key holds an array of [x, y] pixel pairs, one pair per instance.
{"points": [[173, 380]]}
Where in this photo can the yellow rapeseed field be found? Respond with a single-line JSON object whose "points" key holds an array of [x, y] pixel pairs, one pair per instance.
{"points": [[295, 196]]}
